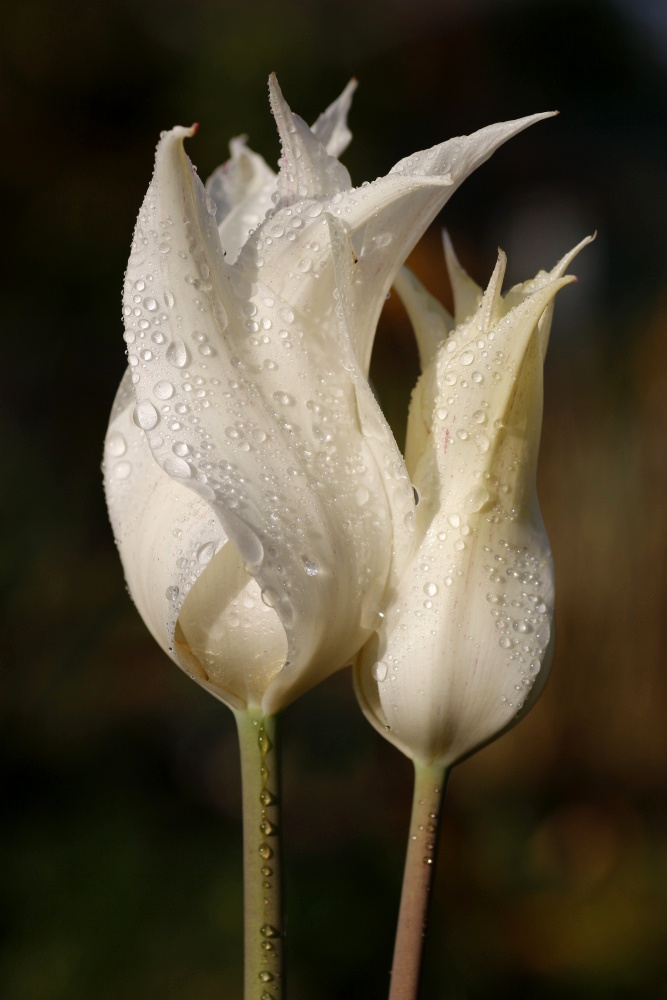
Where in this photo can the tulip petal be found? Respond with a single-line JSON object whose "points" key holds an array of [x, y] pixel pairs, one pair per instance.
{"points": [[431, 322], [432, 325], [242, 190], [256, 403], [467, 293], [225, 611], [306, 168], [477, 598], [331, 126], [519, 292]]}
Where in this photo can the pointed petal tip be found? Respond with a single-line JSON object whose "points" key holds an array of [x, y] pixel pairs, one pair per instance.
{"points": [[565, 261], [180, 132]]}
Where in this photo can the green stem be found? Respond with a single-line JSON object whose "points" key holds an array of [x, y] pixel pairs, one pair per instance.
{"points": [[429, 792], [259, 741]]}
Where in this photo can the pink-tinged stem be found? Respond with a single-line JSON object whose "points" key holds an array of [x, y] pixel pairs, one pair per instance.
{"points": [[429, 790]]}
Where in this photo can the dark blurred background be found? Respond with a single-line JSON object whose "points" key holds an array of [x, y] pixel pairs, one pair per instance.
{"points": [[120, 864]]}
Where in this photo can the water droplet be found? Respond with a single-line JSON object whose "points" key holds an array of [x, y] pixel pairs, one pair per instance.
{"points": [[454, 520], [268, 931], [467, 358], [163, 390], [205, 553], [150, 304], [477, 498], [430, 589], [116, 444], [477, 377], [169, 299], [265, 851], [542, 637], [122, 470], [266, 977], [177, 354], [181, 449], [145, 415], [284, 399], [171, 593], [505, 642], [479, 416], [178, 468], [380, 671], [309, 566]]}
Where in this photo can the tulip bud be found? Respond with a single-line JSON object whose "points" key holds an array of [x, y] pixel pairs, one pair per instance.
{"points": [[467, 640]]}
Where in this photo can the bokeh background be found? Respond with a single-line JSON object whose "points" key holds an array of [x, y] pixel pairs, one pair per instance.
{"points": [[120, 861]]}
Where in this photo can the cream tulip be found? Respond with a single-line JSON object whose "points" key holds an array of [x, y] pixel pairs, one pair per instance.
{"points": [[467, 639], [260, 505]]}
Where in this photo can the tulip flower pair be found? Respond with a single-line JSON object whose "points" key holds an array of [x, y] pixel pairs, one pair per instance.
{"points": [[270, 530]]}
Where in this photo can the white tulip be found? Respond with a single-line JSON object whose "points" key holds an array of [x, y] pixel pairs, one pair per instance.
{"points": [[467, 640], [260, 505]]}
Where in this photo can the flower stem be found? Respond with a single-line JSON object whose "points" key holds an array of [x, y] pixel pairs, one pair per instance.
{"points": [[264, 977], [429, 792]]}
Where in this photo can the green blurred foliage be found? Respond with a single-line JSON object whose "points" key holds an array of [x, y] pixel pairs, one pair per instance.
{"points": [[121, 851]]}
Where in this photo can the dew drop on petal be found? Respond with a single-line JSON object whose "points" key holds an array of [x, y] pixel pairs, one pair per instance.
{"points": [[178, 468], [163, 390], [379, 671], [284, 398], [177, 354], [116, 444], [205, 553], [145, 415], [309, 566], [477, 498], [122, 470], [172, 593]]}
